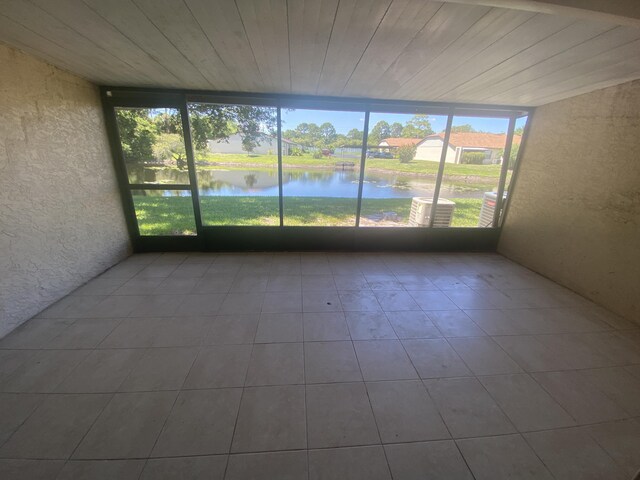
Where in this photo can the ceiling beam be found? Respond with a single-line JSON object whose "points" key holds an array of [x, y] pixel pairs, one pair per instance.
{"points": [[618, 12]]}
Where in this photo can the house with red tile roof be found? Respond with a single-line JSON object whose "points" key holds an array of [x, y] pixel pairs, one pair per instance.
{"points": [[397, 142], [491, 144]]}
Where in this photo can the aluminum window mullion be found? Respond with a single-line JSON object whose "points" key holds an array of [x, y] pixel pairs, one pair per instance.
{"points": [[159, 186], [122, 177], [193, 180], [516, 168], [363, 159], [443, 158], [503, 171], [280, 189]]}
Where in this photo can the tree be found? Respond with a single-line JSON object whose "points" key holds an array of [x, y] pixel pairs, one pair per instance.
{"points": [[418, 127], [328, 134], [519, 131], [355, 136], [218, 122], [513, 156], [379, 132], [466, 128], [396, 129], [138, 133], [168, 121], [170, 147], [406, 153]]}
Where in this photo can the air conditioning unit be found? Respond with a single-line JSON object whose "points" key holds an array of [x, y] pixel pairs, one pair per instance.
{"points": [[421, 211], [488, 208]]}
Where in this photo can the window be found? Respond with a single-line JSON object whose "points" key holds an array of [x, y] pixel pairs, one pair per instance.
{"points": [[164, 212], [153, 145], [472, 169], [292, 161], [518, 134], [155, 159], [321, 155], [236, 162], [403, 156]]}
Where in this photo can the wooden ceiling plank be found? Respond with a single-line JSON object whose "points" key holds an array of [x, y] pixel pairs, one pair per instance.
{"points": [[127, 18], [28, 41], [176, 22], [485, 32], [443, 29], [310, 23], [555, 44], [266, 25], [404, 20], [79, 17], [522, 80], [354, 27], [617, 12], [633, 73], [532, 31], [37, 20], [608, 65], [223, 27]]}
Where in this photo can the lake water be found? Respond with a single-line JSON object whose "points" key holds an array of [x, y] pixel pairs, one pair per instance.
{"points": [[310, 183]]}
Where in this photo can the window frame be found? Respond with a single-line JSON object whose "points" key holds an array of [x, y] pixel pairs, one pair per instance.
{"points": [[282, 237]]}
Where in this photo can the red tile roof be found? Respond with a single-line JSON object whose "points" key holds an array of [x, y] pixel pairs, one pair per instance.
{"points": [[476, 140], [400, 141]]}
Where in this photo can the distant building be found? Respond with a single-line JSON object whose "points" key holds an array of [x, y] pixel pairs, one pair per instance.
{"points": [[268, 145], [491, 144], [394, 143]]}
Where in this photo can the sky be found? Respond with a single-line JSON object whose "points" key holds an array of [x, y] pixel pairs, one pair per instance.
{"points": [[345, 121]]}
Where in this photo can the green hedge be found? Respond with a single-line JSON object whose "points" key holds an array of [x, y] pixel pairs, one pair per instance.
{"points": [[472, 158]]}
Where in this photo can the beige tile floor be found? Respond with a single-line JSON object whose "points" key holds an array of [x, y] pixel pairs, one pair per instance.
{"points": [[320, 366]]}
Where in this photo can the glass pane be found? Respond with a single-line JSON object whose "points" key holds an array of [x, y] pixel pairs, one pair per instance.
{"points": [[152, 145], [401, 169], [513, 157], [472, 172], [321, 153], [515, 147], [164, 212], [236, 156]]}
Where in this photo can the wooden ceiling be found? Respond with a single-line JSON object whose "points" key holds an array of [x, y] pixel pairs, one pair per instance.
{"points": [[472, 51]]}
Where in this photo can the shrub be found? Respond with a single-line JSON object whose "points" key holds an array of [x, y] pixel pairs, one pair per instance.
{"points": [[406, 153], [317, 154], [295, 152], [513, 157], [472, 158]]}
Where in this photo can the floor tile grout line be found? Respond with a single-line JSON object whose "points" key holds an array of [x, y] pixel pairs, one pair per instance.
{"points": [[175, 400], [304, 377], [375, 421], [235, 424], [39, 404], [421, 380], [95, 420], [533, 450]]}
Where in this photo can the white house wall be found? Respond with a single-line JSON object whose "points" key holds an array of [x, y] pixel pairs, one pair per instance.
{"points": [[268, 146], [432, 150]]}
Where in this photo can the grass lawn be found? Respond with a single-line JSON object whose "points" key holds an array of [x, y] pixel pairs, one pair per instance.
{"points": [[416, 167], [174, 215]]}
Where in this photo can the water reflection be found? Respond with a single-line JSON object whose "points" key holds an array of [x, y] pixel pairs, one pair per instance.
{"points": [[309, 183]]}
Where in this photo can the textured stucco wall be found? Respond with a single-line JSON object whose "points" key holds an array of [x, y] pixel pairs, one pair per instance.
{"points": [[575, 211], [61, 220]]}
